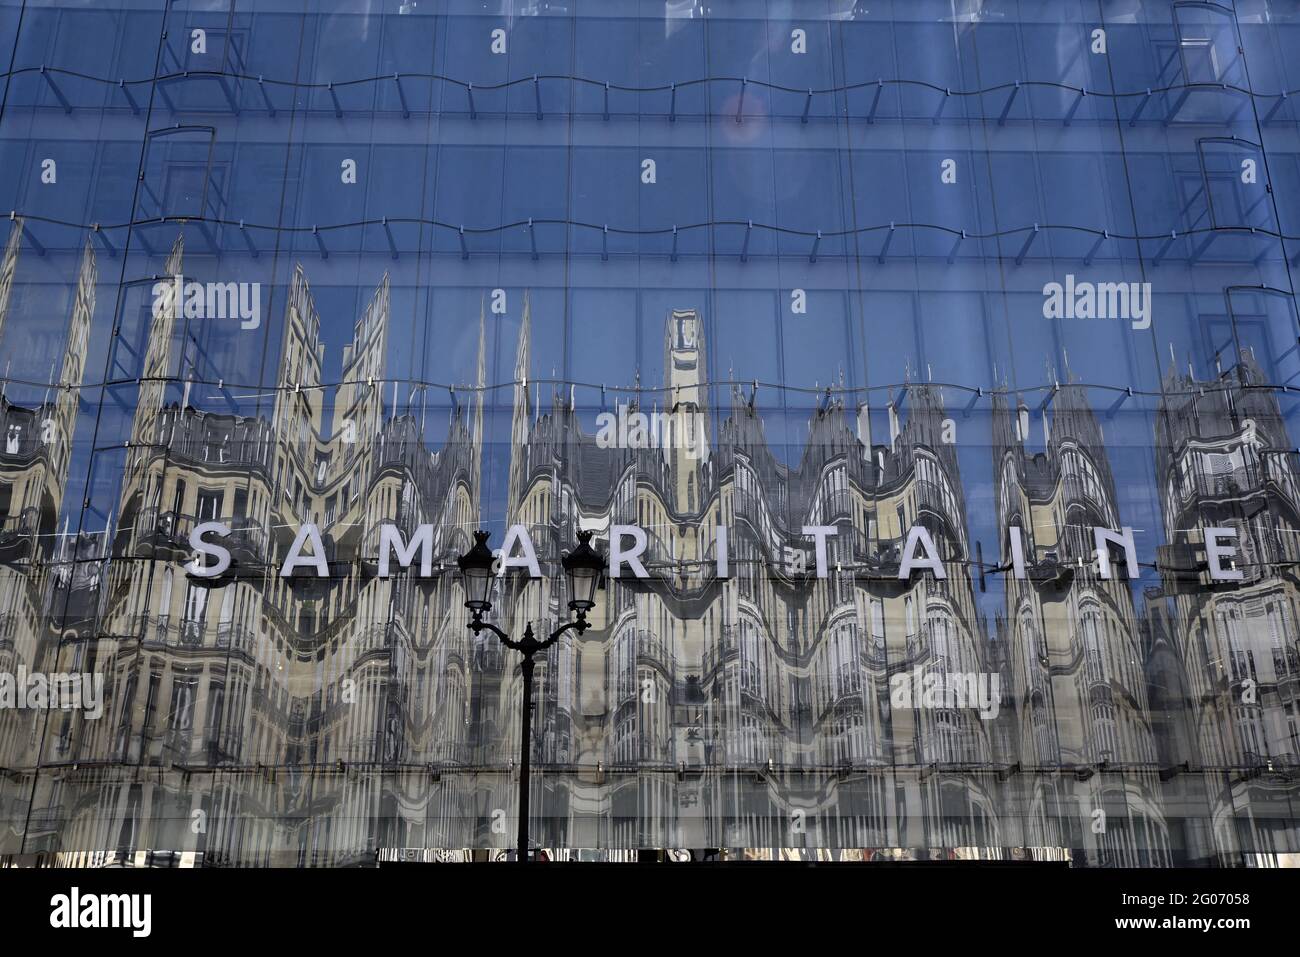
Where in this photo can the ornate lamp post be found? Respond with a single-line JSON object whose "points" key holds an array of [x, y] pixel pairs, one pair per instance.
{"points": [[583, 567]]}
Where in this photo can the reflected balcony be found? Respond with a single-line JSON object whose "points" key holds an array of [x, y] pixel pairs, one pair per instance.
{"points": [[191, 634], [837, 506], [176, 746], [884, 556], [215, 440], [1050, 575], [1204, 486], [246, 542], [651, 649], [17, 533], [234, 637], [938, 501], [162, 535], [721, 651]]}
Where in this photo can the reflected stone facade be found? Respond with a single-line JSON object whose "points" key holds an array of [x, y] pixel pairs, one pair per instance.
{"points": [[333, 720], [1075, 642], [1228, 461]]}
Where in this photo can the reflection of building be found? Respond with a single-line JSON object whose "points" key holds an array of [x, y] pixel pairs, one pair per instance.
{"points": [[1086, 750], [319, 720], [262, 693], [36, 562], [931, 624], [753, 709], [1225, 460]]}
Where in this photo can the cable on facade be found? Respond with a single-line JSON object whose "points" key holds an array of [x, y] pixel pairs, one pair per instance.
{"points": [[600, 229], [669, 87], [976, 392]]}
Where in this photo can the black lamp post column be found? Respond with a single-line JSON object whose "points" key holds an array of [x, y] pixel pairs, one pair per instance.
{"points": [[583, 567], [525, 746], [528, 646]]}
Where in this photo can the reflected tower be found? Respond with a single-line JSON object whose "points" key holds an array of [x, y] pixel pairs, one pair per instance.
{"points": [[1086, 747]]}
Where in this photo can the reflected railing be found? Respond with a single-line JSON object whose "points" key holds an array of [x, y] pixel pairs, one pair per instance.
{"points": [[1238, 481], [725, 646], [215, 439], [234, 637], [158, 529]]}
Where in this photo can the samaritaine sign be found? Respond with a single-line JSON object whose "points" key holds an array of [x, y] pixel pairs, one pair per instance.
{"points": [[627, 543]]}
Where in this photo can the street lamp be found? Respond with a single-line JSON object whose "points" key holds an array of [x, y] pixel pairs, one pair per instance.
{"points": [[583, 567]]}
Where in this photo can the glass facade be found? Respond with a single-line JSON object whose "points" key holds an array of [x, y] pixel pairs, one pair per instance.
{"points": [[935, 360]]}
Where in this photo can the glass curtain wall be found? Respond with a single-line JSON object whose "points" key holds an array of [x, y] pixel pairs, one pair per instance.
{"points": [[1006, 272]]}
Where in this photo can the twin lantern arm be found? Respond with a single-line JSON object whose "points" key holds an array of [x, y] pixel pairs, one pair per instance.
{"points": [[583, 567]]}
